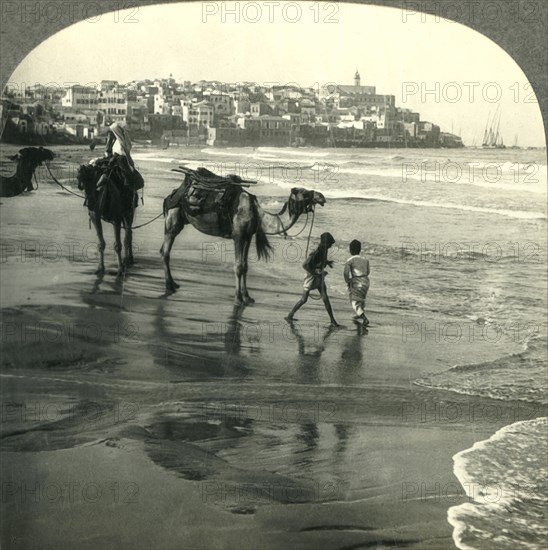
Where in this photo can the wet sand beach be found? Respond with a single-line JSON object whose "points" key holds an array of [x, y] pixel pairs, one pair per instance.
{"points": [[220, 426]]}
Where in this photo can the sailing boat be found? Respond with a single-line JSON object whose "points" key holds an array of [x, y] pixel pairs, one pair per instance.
{"points": [[492, 137], [515, 146], [474, 144]]}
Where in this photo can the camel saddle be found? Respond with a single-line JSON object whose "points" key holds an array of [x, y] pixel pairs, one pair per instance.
{"points": [[128, 176], [114, 197], [204, 192]]}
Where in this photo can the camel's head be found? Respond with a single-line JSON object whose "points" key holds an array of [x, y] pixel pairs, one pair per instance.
{"points": [[87, 177], [304, 200], [35, 156], [89, 174]]}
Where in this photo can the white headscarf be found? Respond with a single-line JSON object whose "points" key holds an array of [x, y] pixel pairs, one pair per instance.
{"points": [[124, 141]]}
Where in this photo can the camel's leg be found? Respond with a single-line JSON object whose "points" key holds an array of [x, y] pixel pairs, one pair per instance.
{"points": [[128, 241], [96, 221], [174, 224], [238, 268], [245, 254], [118, 246]]}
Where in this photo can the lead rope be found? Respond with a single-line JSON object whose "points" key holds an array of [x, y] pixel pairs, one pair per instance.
{"points": [[146, 223], [61, 185], [284, 231], [310, 232]]}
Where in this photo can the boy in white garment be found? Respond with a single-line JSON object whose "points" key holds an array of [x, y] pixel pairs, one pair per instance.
{"points": [[356, 275]]}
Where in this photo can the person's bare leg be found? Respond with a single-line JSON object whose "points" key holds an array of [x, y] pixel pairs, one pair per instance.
{"points": [[360, 310], [327, 304], [298, 305]]}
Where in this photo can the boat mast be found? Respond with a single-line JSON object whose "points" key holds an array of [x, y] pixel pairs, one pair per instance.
{"points": [[497, 134], [485, 132]]}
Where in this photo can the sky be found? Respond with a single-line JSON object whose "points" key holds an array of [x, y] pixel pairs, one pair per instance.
{"points": [[452, 75]]}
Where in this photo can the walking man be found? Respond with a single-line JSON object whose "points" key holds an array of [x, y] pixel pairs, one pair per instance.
{"points": [[315, 267]]}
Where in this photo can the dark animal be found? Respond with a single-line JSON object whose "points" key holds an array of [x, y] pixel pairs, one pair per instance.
{"points": [[221, 207], [28, 159], [114, 202]]}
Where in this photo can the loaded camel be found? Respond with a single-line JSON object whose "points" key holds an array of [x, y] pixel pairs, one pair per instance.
{"points": [[28, 159], [243, 217], [113, 202]]}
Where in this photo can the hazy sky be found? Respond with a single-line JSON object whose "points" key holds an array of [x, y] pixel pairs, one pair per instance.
{"points": [[467, 74]]}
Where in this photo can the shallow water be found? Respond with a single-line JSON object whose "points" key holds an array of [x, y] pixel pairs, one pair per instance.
{"points": [[504, 511]]}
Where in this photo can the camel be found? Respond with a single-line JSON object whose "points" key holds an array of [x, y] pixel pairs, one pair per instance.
{"points": [[115, 203], [246, 219], [28, 159]]}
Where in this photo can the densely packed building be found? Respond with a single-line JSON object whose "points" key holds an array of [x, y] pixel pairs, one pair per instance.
{"points": [[221, 114]]}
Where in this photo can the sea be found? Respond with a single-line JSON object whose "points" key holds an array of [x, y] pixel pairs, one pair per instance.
{"points": [[452, 234]]}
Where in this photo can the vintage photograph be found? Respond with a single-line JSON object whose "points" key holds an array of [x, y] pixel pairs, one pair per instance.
{"points": [[273, 276]]}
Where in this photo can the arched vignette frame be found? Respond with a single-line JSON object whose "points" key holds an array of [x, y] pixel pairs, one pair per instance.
{"points": [[520, 30]]}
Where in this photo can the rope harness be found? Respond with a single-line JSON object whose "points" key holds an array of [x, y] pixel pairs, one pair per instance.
{"points": [[61, 185], [83, 197], [146, 223], [308, 207]]}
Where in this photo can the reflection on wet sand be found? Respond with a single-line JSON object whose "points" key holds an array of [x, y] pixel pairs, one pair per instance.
{"points": [[306, 439], [308, 360], [343, 432], [350, 365], [178, 350], [97, 283], [295, 435], [233, 334], [201, 350], [117, 284]]}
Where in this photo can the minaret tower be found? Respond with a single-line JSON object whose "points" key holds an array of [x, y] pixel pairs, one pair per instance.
{"points": [[357, 79]]}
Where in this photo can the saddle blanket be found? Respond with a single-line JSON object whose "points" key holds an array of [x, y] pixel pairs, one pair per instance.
{"points": [[123, 171], [204, 192]]}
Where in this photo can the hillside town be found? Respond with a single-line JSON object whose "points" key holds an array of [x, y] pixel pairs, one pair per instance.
{"points": [[217, 114]]}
